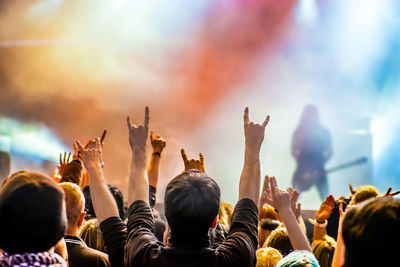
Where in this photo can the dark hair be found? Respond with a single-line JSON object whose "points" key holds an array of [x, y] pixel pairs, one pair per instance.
{"points": [[369, 231], [32, 213], [191, 204], [117, 194]]}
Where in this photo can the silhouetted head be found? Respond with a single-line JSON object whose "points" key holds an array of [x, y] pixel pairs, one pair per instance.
{"points": [[32, 213], [191, 204]]}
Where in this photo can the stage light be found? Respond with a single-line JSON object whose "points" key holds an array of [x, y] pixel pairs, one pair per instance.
{"points": [[307, 11], [29, 140]]}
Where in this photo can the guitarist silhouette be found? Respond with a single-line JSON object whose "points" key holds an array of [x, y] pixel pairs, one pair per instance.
{"points": [[312, 148]]}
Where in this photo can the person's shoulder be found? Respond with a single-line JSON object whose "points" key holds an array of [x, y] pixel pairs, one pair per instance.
{"points": [[81, 255]]}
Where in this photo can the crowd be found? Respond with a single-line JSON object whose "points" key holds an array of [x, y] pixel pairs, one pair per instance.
{"points": [[80, 220]]}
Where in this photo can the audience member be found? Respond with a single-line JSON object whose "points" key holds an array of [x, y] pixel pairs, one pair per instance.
{"points": [[32, 220], [78, 252]]}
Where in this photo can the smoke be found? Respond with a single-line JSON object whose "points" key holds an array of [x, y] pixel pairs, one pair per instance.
{"points": [[79, 67]]}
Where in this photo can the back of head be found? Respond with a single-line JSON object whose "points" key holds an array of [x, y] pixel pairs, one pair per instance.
{"points": [[369, 231], [32, 213], [268, 257], [301, 258], [323, 250], [75, 203], [191, 204], [117, 194], [365, 192], [91, 235], [279, 239]]}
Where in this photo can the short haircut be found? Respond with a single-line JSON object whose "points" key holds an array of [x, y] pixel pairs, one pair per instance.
{"points": [[268, 257], [279, 239], [369, 231], [191, 204], [74, 201], [365, 192], [32, 213], [300, 258]]}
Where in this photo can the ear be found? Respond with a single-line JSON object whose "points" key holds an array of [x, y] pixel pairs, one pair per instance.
{"points": [[214, 223], [81, 219]]}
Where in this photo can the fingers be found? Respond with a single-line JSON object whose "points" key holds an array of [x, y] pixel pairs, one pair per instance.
{"points": [[265, 122], [60, 158], [246, 116], [151, 136], [69, 156], [201, 158], [351, 189], [395, 193], [97, 143], [128, 122], [388, 191], [146, 119], [341, 209], [184, 156], [274, 187], [79, 146], [103, 136]]}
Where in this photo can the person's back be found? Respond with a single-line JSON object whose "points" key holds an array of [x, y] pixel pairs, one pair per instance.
{"points": [[78, 252], [191, 207]]}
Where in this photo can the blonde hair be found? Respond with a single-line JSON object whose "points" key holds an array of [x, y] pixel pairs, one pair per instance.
{"points": [[268, 257], [91, 235], [365, 192], [225, 214], [323, 250], [74, 201]]}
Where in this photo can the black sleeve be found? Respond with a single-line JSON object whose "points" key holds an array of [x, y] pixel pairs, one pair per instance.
{"points": [[142, 244], [114, 234], [239, 248]]}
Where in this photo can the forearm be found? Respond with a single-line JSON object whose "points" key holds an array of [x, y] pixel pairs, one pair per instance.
{"points": [[249, 186], [153, 170], [103, 202], [338, 255], [319, 233], [138, 182], [296, 235]]}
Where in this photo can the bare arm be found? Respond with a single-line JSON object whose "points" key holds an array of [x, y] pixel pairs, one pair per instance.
{"points": [[158, 144], [103, 202], [338, 255], [280, 200], [138, 188], [249, 185]]}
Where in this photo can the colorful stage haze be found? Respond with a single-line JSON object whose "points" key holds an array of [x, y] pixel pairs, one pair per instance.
{"points": [[78, 67]]}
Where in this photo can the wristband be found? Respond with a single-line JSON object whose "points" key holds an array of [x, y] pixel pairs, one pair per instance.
{"points": [[317, 224], [157, 154]]}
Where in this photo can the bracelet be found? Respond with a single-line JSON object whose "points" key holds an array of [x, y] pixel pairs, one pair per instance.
{"points": [[317, 224], [157, 154]]}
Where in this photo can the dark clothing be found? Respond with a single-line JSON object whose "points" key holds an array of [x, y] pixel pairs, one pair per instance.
{"points": [[81, 255], [238, 249], [114, 235]]}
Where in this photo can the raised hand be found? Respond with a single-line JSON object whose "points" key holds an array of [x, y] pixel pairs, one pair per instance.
{"points": [[77, 154], [388, 194], [157, 142], [295, 206], [277, 198], [92, 156], [193, 163], [138, 134], [254, 133], [63, 162], [325, 210]]}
